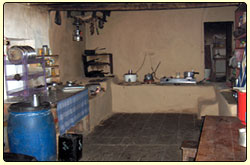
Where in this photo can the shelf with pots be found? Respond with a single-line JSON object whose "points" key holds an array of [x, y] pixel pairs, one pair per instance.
{"points": [[91, 59], [52, 68], [240, 43], [21, 59]]}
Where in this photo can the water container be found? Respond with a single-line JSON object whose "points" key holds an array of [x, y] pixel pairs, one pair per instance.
{"points": [[31, 131], [242, 106]]}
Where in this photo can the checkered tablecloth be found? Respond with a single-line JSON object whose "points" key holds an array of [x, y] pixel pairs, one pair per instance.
{"points": [[71, 110]]}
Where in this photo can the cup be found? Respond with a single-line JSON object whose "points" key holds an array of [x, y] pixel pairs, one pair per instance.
{"points": [[178, 74], [45, 50], [242, 137]]}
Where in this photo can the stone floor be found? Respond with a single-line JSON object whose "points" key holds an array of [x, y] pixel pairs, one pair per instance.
{"points": [[141, 137]]}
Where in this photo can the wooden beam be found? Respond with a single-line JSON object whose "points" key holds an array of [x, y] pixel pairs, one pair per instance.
{"points": [[126, 6]]}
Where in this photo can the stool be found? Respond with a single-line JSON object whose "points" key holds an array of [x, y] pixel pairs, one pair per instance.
{"points": [[189, 149]]}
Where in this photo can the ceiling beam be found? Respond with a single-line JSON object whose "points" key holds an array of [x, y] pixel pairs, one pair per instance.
{"points": [[126, 6]]}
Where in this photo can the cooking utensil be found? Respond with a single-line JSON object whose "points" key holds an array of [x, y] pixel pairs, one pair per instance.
{"points": [[70, 83], [178, 75], [93, 61], [130, 76], [45, 50], [89, 51], [190, 74], [96, 73], [92, 51], [148, 78], [17, 53], [17, 77]]}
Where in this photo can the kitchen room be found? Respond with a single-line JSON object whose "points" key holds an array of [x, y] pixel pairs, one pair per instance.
{"points": [[126, 81]]}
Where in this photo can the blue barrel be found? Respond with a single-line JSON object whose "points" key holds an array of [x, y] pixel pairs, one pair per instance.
{"points": [[31, 131]]}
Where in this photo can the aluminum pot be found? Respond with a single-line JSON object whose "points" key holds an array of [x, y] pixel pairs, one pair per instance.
{"points": [[190, 74], [17, 53], [130, 77]]}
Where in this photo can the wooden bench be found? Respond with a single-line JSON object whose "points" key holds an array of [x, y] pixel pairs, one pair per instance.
{"points": [[189, 149]]}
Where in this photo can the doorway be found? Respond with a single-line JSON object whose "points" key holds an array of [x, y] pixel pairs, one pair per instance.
{"points": [[218, 50]]}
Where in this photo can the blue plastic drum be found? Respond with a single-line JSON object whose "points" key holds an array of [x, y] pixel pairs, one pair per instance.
{"points": [[31, 131]]}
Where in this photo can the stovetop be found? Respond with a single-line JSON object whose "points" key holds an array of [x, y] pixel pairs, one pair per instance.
{"points": [[167, 80]]}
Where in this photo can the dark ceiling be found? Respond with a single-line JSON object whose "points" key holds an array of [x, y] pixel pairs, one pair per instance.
{"points": [[102, 6]]}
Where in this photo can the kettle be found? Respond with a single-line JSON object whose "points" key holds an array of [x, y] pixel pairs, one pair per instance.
{"points": [[148, 77]]}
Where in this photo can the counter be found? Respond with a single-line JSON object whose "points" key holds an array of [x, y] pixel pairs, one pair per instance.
{"points": [[219, 140], [100, 105], [159, 98]]}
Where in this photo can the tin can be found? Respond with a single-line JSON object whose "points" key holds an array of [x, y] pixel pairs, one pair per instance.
{"points": [[45, 50], [242, 137]]}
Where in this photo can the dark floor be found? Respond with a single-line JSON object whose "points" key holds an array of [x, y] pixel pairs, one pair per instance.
{"points": [[141, 137]]}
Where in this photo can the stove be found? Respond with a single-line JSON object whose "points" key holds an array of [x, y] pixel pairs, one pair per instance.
{"points": [[167, 80]]}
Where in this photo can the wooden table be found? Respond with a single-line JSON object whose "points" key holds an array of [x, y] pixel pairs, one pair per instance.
{"points": [[219, 140]]}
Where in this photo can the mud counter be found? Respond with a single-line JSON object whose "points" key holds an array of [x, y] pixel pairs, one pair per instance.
{"points": [[154, 98]]}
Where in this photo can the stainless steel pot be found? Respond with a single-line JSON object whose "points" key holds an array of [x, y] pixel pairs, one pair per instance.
{"points": [[17, 53], [190, 74]]}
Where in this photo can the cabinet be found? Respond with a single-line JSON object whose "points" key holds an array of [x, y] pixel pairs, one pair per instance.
{"points": [[52, 68], [240, 43], [98, 62], [24, 76]]}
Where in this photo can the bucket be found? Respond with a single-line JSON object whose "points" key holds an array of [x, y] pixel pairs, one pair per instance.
{"points": [[31, 131], [242, 107]]}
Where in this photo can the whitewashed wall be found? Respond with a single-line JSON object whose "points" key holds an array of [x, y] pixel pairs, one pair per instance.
{"points": [[25, 22]]}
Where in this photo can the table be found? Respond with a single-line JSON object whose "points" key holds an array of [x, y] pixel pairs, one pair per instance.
{"points": [[219, 140]]}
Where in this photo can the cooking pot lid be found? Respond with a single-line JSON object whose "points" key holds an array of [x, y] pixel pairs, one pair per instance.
{"points": [[27, 107]]}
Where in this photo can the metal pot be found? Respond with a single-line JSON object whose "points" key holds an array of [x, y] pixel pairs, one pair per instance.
{"points": [[148, 77], [190, 74], [17, 53], [130, 77]]}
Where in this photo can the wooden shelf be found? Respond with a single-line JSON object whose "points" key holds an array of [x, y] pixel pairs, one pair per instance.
{"points": [[224, 58], [98, 54], [240, 48], [30, 76], [52, 76], [87, 63], [48, 56], [53, 66], [242, 36], [98, 64], [218, 47]]}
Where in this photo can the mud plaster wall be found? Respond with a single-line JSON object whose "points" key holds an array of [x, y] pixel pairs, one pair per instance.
{"points": [[69, 51], [163, 99], [100, 107], [27, 22], [174, 37]]}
